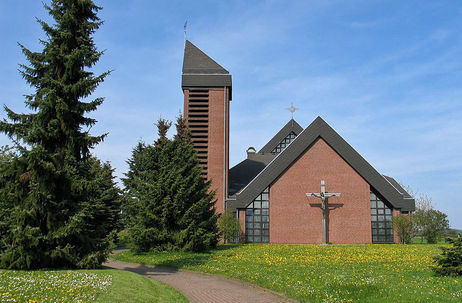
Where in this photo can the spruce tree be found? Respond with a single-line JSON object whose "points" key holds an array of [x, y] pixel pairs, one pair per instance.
{"points": [[63, 202], [142, 203], [147, 194], [198, 223], [169, 206]]}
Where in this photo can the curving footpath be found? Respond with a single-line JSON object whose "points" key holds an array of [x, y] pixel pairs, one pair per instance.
{"points": [[203, 288]]}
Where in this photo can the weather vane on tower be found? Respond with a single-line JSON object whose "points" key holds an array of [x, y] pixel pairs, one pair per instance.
{"points": [[185, 25]]}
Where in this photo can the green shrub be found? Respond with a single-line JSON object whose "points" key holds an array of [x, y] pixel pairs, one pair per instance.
{"points": [[403, 227], [228, 225]]}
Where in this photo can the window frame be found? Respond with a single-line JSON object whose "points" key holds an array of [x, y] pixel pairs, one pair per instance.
{"points": [[381, 214], [257, 219]]}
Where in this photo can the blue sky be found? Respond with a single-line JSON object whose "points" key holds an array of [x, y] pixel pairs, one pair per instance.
{"points": [[386, 75]]}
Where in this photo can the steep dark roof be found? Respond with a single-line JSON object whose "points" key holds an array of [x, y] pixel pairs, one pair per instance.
{"points": [[244, 172], [320, 129], [199, 70], [291, 126]]}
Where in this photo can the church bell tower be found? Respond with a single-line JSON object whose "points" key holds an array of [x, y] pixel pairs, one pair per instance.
{"points": [[207, 91]]}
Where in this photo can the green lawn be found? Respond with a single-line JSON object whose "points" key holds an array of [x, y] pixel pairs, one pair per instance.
{"points": [[317, 273], [83, 286]]}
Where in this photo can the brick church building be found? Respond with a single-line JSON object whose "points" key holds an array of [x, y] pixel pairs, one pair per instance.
{"points": [[268, 190]]}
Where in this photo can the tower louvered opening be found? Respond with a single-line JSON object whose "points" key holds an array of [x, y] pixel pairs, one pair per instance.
{"points": [[198, 122]]}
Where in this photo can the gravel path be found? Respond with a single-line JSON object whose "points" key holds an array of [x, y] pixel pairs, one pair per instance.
{"points": [[203, 288]]}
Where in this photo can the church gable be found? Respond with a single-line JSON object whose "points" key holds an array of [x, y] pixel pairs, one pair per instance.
{"points": [[320, 159], [320, 129], [288, 201]]}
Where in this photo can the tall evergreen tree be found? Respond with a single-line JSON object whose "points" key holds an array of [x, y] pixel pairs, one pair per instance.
{"points": [[198, 224], [63, 202], [142, 206], [169, 203]]}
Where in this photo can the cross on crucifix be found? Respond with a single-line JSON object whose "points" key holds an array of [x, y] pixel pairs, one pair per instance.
{"points": [[324, 196]]}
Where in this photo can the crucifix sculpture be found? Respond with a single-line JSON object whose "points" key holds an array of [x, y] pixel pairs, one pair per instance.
{"points": [[324, 196]]}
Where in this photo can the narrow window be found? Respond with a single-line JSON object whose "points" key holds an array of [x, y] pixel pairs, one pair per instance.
{"points": [[257, 219], [381, 217]]}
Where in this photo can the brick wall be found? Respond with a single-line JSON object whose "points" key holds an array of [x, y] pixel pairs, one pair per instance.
{"points": [[293, 220], [215, 165], [217, 150]]}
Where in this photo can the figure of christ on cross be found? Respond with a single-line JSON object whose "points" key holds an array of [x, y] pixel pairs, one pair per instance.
{"points": [[324, 196]]}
